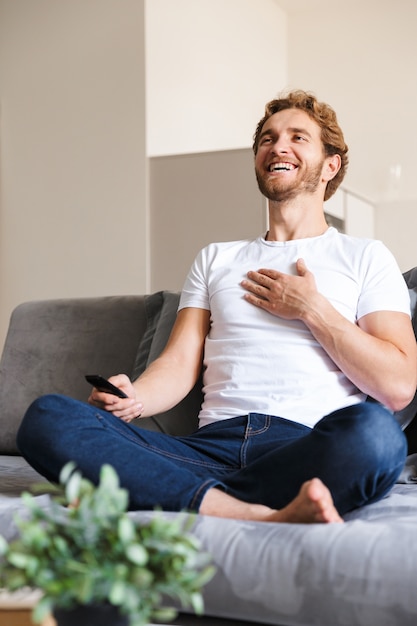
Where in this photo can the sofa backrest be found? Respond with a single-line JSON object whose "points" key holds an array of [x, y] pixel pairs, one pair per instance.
{"points": [[407, 415], [52, 344]]}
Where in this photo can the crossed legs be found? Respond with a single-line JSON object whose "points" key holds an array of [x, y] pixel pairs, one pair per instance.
{"points": [[255, 467]]}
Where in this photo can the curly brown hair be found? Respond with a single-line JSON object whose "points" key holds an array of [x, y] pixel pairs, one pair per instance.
{"points": [[324, 116]]}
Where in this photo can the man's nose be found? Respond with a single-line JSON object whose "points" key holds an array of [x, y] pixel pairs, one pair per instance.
{"points": [[280, 146]]}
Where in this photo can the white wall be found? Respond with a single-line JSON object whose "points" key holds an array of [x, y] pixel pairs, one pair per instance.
{"points": [[359, 56], [73, 163], [357, 213], [73, 184], [73, 168], [211, 67], [397, 225]]}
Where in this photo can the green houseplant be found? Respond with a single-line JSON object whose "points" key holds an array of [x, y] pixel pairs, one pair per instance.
{"points": [[90, 553]]}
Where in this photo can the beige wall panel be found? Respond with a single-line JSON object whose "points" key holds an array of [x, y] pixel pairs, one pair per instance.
{"points": [[196, 199], [73, 157]]}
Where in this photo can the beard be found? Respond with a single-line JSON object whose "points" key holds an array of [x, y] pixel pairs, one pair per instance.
{"points": [[278, 190]]}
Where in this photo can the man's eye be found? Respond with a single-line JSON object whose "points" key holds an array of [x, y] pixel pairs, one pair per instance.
{"points": [[300, 138]]}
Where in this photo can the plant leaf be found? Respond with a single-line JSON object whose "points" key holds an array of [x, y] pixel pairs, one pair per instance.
{"points": [[20, 560], [197, 603], [3, 545], [126, 529], [137, 554], [109, 479], [66, 472], [117, 592], [72, 488], [42, 609]]}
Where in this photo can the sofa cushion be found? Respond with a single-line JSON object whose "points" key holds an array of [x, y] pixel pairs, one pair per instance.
{"points": [[161, 311], [17, 475], [361, 573], [52, 344]]}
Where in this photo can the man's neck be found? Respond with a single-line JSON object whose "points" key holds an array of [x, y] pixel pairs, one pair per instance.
{"points": [[296, 219]]}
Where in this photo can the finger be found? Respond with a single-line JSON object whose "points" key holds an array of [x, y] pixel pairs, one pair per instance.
{"points": [[126, 406], [262, 277], [129, 418], [257, 283], [255, 289], [119, 407], [119, 379], [301, 267], [260, 302], [123, 382], [269, 273], [127, 415], [100, 399]]}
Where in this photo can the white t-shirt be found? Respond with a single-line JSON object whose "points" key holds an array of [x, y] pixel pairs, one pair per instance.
{"points": [[257, 362]]}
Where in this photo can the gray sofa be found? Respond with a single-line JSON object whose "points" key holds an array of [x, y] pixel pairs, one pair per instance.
{"points": [[363, 572]]}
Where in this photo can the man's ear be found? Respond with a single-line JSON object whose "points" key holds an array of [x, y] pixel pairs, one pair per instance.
{"points": [[331, 166]]}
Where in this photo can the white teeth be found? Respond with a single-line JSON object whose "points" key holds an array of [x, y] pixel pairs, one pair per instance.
{"points": [[279, 167]]}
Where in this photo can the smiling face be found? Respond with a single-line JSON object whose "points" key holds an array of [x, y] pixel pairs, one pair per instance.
{"points": [[290, 158]]}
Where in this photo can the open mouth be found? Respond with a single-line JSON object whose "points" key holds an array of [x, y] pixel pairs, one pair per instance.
{"points": [[282, 167]]}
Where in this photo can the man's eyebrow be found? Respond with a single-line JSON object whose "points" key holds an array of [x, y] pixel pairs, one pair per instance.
{"points": [[269, 131], [300, 131], [295, 130]]}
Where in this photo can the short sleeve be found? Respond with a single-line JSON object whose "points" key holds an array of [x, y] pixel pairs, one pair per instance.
{"points": [[383, 286], [195, 291]]}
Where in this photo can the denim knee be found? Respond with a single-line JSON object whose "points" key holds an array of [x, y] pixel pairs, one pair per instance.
{"points": [[42, 417], [382, 435], [370, 432], [366, 449], [29, 425]]}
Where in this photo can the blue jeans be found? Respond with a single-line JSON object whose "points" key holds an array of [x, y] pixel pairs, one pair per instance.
{"points": [[358, 452]]}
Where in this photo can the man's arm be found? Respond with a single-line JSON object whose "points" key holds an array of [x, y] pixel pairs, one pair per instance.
{"points": [[169, 378], [379, 354]]}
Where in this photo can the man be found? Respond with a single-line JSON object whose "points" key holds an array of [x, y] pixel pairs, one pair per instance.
{"points": [[294, 331]]}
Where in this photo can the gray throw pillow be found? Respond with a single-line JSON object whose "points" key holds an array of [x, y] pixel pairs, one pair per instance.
{"points": [[161, 311]]}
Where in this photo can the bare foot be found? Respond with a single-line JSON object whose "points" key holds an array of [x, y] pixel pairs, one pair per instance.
{"points": [[313, 504]]}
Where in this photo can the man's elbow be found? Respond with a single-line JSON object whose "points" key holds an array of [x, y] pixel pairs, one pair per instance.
{"points": [[401, 396]]}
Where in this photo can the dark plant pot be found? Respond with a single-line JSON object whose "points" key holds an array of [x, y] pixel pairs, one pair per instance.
{"points": [[91, 615]]}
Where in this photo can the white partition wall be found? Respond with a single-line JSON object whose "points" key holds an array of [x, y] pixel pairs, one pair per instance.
{"points": [[211, 67], [356, 213], [196, 199], [213, 196]]}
